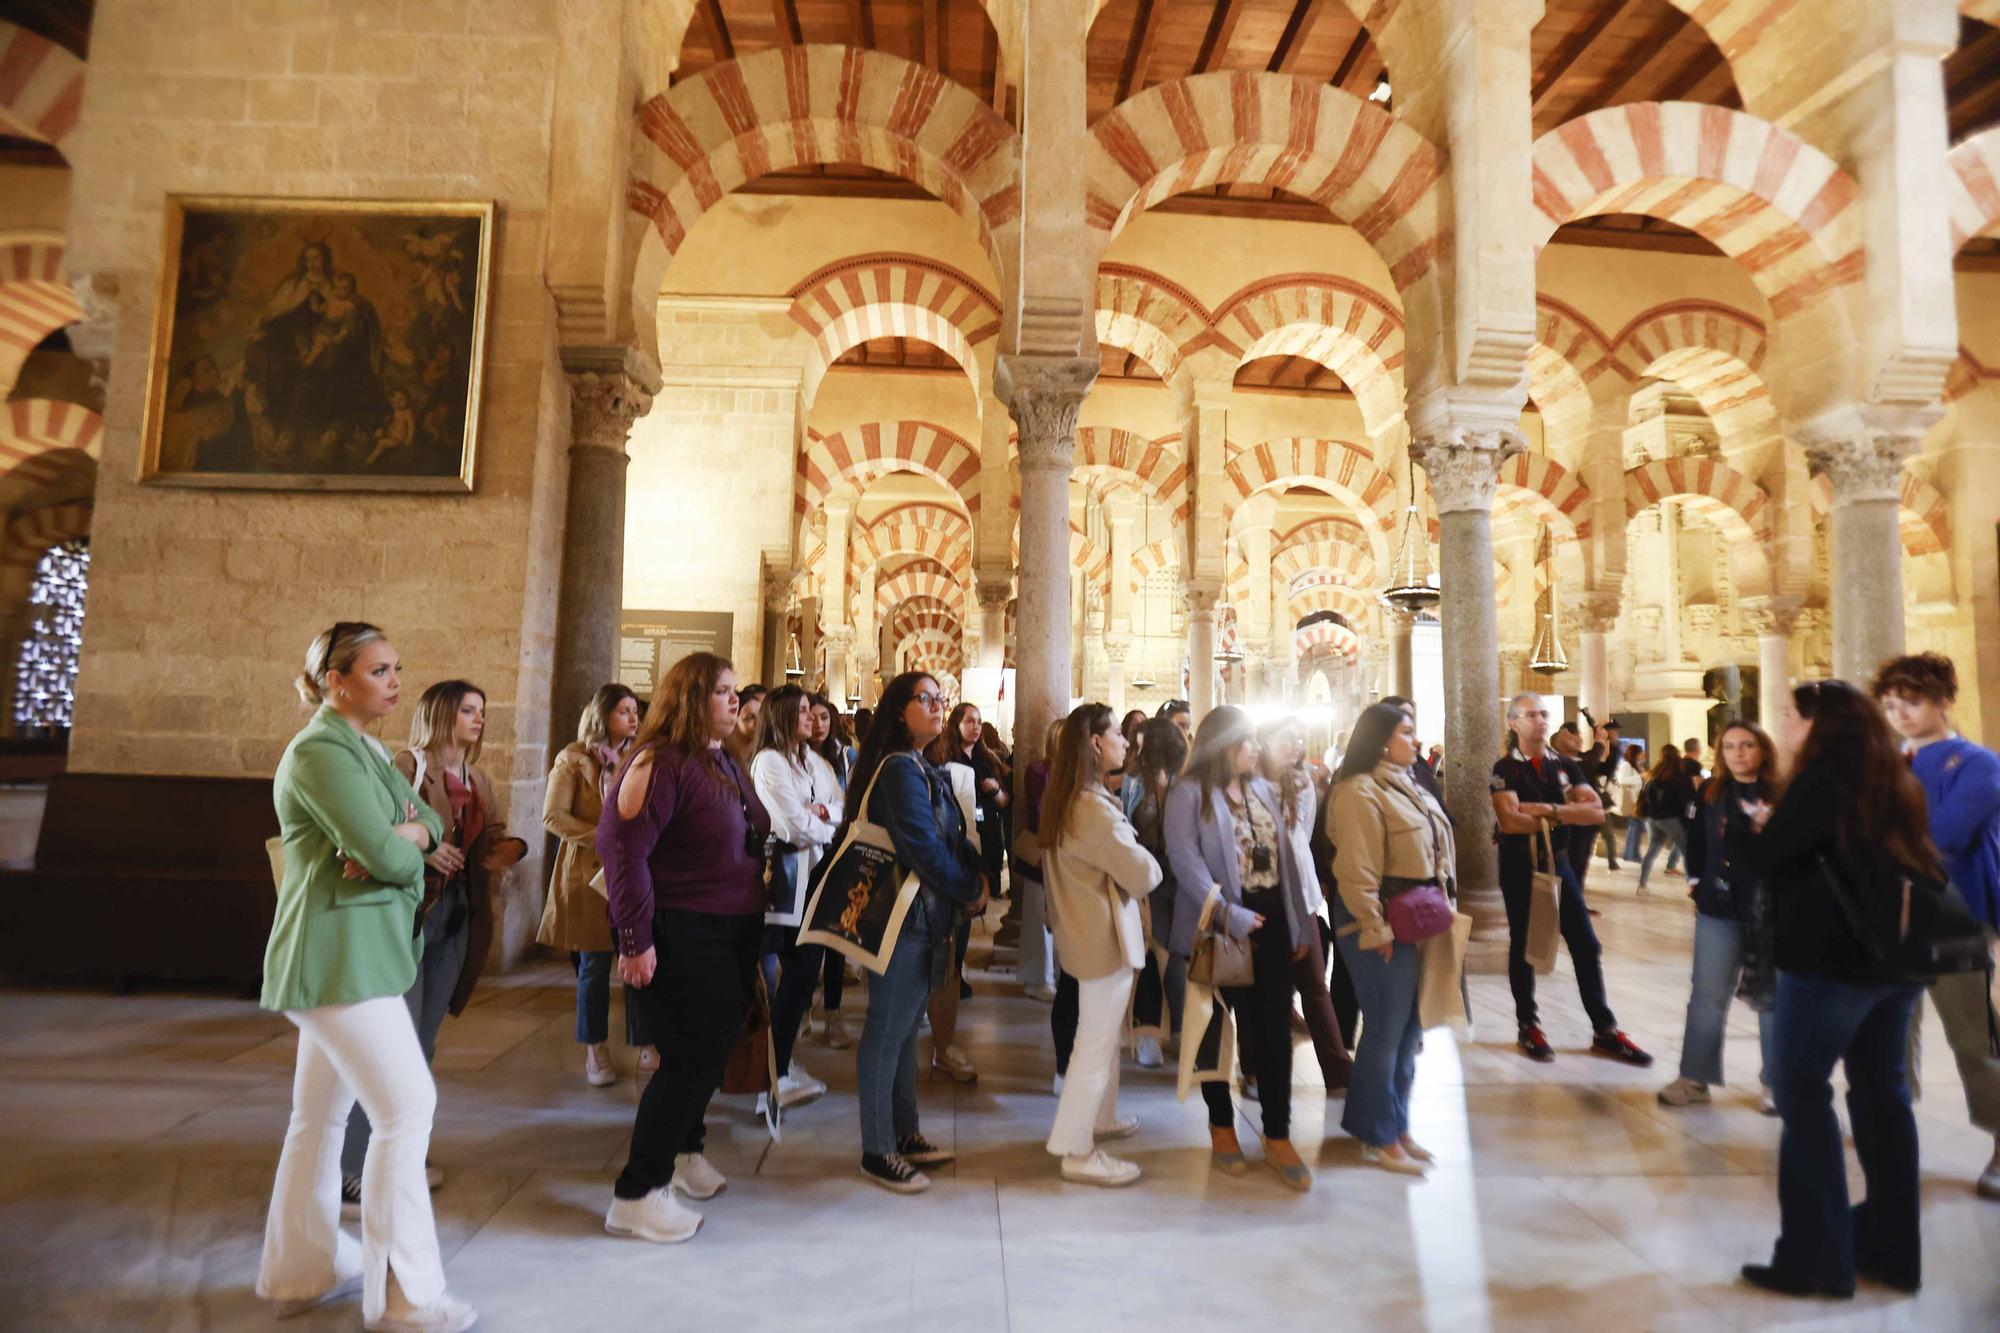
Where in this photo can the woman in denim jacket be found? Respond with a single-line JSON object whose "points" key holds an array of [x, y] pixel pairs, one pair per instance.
{"points": [[914, 802]]}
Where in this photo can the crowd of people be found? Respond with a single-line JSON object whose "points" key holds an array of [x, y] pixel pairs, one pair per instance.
{"points": [[1179, 882]]}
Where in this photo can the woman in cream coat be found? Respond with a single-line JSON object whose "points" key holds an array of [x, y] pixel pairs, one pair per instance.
{"points": [[1388, 836], [1095, 872]]}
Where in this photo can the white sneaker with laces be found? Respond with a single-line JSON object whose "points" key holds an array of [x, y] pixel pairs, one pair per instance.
{"points": [[449, 1315], [696, 1177], [1124, 1127], [1684, 1092], [1149, 1053], [798, 1086], [597, 1068], [657, 1216], [1100, 1168], [838, 1034]]}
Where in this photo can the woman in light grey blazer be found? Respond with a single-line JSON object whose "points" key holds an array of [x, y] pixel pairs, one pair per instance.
{"points": [[1225, 838]]}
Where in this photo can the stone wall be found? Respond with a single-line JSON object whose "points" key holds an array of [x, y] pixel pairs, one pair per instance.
{"points": [[203, 602]]}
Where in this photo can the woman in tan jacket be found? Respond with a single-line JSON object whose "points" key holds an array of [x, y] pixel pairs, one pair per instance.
{"points": [[1389, 837], [1095, 872], [575, 916]]}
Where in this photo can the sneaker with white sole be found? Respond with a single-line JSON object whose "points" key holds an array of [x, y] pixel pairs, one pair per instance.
{"points": [[696, 1177], [796, 1087], [1149, 1053], [655, 1216], [448, 1315], [597, 1068], [1124, 1127], [894, 1174], [1100, 1168], [1684, 1092], [955, 1065], [838, 1034]]}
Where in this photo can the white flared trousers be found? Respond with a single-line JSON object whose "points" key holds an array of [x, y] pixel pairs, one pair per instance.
{"points": [[1089, 1099], [367, 1051]]}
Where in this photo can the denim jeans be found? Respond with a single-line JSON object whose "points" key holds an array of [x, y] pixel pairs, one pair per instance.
{"points": [[1817, 1024], [1664, 831], [1718, 966], [1385, 1064], [885, 1060], [593, 996], [1635, 833]]}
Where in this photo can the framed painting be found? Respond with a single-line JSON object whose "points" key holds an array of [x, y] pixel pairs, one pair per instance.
{"points": [[318, 344]]}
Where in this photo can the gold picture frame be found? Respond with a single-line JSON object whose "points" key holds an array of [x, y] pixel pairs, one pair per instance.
{"points": [[318, 344]]}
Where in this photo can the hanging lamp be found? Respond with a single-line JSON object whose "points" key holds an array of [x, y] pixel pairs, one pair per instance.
{"points": [[794, 659], [1413, 587], [1228, 643], [1548, 657]]}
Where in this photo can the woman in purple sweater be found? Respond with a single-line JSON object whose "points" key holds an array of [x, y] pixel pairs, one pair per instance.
{"points": [[682, 841]]}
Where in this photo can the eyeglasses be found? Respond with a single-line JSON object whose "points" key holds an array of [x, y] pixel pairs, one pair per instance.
{"points": [[929, 700]]}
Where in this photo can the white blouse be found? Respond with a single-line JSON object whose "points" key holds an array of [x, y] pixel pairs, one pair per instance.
{"points": [[789, 792]]}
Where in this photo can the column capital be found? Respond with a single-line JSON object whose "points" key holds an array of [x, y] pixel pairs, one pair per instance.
{"points": [[1202, 596], [1043, 395], [610, 388], [995, 593], [1862, 449], [838, 505], [1772, 617], [1116, 646], [777, 587], [1595, 612], [1463, 463], [838, 637]]}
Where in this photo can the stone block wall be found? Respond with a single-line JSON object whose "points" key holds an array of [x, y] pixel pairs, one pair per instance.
{"points": [[202, 602]]}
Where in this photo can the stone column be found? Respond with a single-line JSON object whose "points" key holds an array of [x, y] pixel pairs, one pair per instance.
{"points": [[1863, 456], [1402, 667], [1043, 393], [1463, 465], [1116, 647], [1201, 600], [839, 640], [777, 587], [609, 390], [1771, 619], [993, 595], [1595, 616], [866, 665]]}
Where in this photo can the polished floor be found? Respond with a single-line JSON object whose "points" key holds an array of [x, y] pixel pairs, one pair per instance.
{"points": [[138, 1137]]}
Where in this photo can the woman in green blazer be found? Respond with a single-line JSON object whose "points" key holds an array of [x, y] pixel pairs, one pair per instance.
{"points": [[343, 951]]}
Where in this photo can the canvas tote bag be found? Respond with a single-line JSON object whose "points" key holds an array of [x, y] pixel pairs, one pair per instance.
{"points": [[1544, 910], [858, 905]]}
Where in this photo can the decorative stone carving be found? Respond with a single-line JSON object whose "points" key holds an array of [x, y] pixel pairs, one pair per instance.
{"points": [[603, 408], [1863, 466], [1771, 617], [1043, 394], [1201, 597], [994, 594], [1463, 464], [95, 335]]}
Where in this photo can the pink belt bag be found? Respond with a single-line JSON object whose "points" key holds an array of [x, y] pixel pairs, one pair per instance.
{"points": [[1415, 910]]}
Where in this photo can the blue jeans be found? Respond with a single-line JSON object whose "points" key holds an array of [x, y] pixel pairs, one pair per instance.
{"points": [[1635, 833], [593, 1001], [1718, 966], [885, 1059], [1664, 831], [1385, 1064], [1818, 1023]]}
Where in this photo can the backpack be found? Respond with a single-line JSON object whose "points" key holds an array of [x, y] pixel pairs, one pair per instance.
{"points": [[1652, 797], [1918, 932]]}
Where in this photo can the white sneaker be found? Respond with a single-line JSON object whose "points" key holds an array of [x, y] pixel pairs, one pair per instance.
{"points": [[597, 1069], [798, 1086], [658, 1216], [449, 1315], [1684, 1092], [1100, 1168], [1149, 1053], [1055, 1088], [1124, 1127], [955, 1065], [838, 1035], [696, 1177]]}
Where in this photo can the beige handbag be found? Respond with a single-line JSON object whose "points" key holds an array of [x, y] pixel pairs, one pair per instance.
{"points": [[1220, 959], [1544, 910]]}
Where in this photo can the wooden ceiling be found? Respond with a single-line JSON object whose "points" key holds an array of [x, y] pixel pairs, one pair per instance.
{"points": [[1590, 54]]}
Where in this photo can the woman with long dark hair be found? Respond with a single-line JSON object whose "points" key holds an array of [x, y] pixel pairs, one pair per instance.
{"points": [[682, 840], [1236, 872], [1162, 987], [1663, 801], [1849, 824], [893, 785], [1729, 898], [962, 742], [1390, 837], [1096, 873]]}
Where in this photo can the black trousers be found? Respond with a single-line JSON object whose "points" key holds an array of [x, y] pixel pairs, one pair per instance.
{"points": [[800, 967], [1585, 953], [834, 978], [1062, 1020], [1340, 987], [1265, 1006], [693, 1007]]}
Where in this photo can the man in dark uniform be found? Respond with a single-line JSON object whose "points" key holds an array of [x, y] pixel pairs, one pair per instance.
{"points": [[1531, 784]]}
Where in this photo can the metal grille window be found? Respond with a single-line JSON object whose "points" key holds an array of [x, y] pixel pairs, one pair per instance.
{"points": [[45, 673]]}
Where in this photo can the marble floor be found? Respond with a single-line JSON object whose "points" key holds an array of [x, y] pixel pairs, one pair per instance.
{"points": [[138, 1136]]}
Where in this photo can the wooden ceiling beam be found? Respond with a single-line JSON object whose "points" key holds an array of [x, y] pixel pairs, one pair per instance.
{"points": [[1660, 50], [785, 17], [1139, 54], [1292, 41], [1975, 61], [1975, 110], [718, 31], [933, 34], [1691, 75], [860, 25], [1355, 49], [1572, 52], [1215, 42]]}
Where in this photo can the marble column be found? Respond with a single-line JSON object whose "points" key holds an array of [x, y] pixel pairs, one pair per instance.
{"points": [[1116, 648], [1771, 619], [1863, 460], [1463, 465], [1043, 393], [1402, 665], [1596, 615], [839, 640], [609, 390], [993, 595], [1201, 601], [866, 667]]}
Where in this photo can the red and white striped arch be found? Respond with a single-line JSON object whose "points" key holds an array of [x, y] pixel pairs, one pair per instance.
{"points": [[1155, 466], [1323, 638], [887, 540], [31, 534], [1150, 559], [919, 579], [1716, 352], [1367, 168], [1312, 594], [1340, 324], [1342, 469], [1569, 356], [33, 428], [1334, 561], [1710, 487], [1541, 486], [815, 105], [1972, 198], [1154, 319], [1923, 514], [1782, 209], [933, 651], [893, 296], [41, 86], [923, 613], [859, 454], [35, 299]]}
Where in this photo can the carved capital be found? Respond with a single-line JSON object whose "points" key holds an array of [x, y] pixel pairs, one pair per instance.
{"points": [[838, 638], [1463, 464], [609, 388], [1862, 449], [1116, 646], [1595, 612], [1202, 597], [994, 594], [1043, 394], [93, 337], [777, 587], [1772, 617]]}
